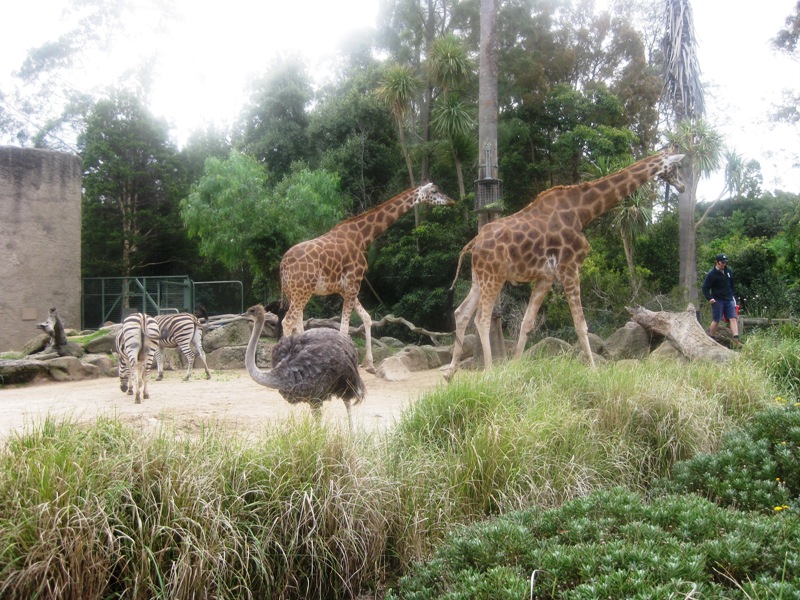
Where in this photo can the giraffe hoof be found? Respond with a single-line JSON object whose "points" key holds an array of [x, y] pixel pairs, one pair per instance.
{"points": [[371, 369], [447, 372], [160, 377]]}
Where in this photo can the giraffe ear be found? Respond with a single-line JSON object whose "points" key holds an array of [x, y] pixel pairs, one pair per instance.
{"points": [[674, 159], [426, 188]]}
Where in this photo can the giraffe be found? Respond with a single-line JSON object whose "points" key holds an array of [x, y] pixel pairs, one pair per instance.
{"points": [[335, 262], [542, 243]]}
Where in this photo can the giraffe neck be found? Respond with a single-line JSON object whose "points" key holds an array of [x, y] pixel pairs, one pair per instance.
{"points": [[599, 196], [364, 228]]}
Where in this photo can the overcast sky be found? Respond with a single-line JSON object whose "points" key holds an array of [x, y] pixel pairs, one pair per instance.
{"points": [[205, 63]]}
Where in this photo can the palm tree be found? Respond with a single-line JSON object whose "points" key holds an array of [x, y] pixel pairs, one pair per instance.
{"points": [[684, 94], [399, 90], [450, 69], [702, 145]]}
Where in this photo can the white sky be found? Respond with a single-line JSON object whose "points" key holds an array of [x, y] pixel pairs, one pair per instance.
{"points": [[204, 65]]}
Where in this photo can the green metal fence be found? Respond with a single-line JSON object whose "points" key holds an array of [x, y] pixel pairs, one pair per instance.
{"points": [[106, 299]]}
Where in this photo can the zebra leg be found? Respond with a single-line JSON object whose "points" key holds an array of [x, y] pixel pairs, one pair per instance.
{"points": [[187, 351], [198, 345], [160, 363]]}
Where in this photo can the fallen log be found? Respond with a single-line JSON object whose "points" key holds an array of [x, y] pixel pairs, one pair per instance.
{"points": [[683, 330]]}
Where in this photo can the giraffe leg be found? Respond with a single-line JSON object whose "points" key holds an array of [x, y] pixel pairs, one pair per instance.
{"points": [[463, 314], [572, 289], [367, 320], [483, 320], [540, 290], [293, 319]]}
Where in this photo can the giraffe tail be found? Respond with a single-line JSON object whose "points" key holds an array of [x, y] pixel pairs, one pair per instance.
{"points": [[465, 250], [451, 291]]}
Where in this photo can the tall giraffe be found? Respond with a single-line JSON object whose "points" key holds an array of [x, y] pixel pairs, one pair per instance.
{"points": [[335, 262], [542, 243]]}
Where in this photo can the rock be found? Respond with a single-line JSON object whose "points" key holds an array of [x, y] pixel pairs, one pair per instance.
{"points": [[107, 366], [630, 341], [392, 343], [437, 355], [22, 371], [548, 347], [230, 357], [104, 343], [414, 358], [231, 334], [36, 344], [393, 369], [69, 368], [667, 351]]}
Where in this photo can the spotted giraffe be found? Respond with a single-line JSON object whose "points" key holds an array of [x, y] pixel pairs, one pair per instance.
{"points": [[335, 262], [543, 243]]}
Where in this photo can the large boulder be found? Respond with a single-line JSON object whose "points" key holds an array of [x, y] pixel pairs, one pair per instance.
{"points": [[630, 341], [69, 368], [393, 369], [22, 371], [236, 333], [104, 343]]}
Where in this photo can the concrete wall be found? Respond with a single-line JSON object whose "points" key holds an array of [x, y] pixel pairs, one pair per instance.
{"points": [[40, 241]]}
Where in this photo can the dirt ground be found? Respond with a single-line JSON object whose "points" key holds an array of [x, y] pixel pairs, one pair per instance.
{"points": [[230, 399]]}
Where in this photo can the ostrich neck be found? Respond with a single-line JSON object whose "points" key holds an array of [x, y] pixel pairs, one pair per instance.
{"points": [[264, 378]]}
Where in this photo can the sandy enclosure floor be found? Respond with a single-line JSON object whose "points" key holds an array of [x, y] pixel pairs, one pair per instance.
{"points": [[230, 399]]}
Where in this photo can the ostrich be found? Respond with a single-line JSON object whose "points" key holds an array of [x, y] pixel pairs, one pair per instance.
{"points": [[312, 366]]}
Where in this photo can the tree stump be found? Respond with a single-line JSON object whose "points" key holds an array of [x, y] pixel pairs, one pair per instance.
{"points": [[58, 337], [684, 331]]}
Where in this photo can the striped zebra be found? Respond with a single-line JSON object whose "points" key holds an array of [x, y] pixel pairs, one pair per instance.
{"points": [[137, 341], [184, 331]]}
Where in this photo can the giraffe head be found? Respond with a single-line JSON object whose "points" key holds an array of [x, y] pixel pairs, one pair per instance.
{"points": [[669, 170], [430, 193]]}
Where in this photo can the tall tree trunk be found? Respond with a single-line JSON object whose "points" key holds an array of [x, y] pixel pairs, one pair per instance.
{"points": [[487, 129], [687, 242]]}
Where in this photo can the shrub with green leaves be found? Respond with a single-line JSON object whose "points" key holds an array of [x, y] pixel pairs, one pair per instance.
{"points": [[614, 544], [757, 467]]}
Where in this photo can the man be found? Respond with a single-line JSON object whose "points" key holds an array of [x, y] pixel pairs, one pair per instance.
{"points": [[718, 290]]}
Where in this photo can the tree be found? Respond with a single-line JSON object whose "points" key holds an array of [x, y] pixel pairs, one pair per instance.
{"points": [[246, 226], [684, 94], [274, 126], [129, 174], [451, 69], [398, 89]]}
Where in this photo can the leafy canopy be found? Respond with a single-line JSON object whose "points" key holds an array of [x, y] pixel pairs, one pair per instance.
{"points": [[245, 225]]}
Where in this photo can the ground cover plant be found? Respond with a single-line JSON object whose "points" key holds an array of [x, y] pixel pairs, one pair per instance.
{"points": [[106, 511]]}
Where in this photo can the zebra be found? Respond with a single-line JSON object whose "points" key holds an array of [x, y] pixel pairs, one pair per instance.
{"points": [[137, 341], [184, 331]]}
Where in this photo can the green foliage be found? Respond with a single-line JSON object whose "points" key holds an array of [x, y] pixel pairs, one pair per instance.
{"points": [[131, 185], [274, 126], [757, 467], [242, 224], [614, 544]]}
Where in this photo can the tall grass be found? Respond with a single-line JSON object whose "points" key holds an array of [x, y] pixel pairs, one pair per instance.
{"points": [[306, 511]]}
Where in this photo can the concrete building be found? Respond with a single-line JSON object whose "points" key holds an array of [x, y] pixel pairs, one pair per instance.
{"points": [[40, 241]]}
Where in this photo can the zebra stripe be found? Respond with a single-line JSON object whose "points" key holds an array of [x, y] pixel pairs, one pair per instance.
{"points": [[136, 341], [184, 331]]}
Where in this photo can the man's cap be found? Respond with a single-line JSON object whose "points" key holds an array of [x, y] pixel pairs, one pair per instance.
{"points": [[722, 257]]}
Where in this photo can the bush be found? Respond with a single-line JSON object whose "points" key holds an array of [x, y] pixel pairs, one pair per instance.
{"points": [[756, 468], [614, 544]]}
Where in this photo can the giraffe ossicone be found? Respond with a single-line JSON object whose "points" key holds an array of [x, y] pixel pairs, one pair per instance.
{"points": [[335, 262], [544, 243]]}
